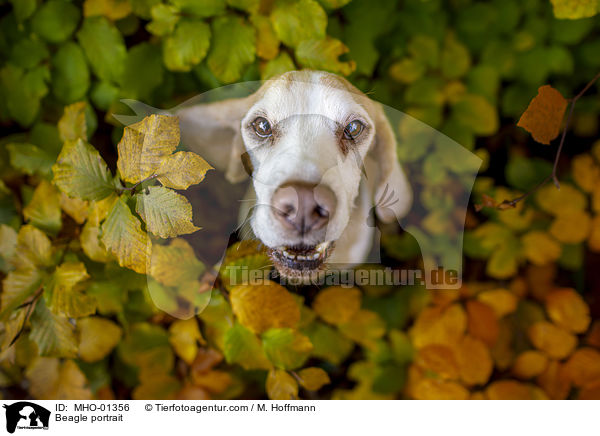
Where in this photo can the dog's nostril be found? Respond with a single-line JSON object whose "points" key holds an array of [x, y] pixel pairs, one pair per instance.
{"points": [[303, 207], [321, 212]]}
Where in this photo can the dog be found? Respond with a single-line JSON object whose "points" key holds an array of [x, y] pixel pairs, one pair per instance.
{"points": [[319, 152]]}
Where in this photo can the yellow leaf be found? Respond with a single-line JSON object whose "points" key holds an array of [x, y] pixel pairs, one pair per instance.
{"points": [[156, 386], [336, 305], [182, 169], [431, 389], [438, 325], [123, 236], [583, 367], [144, 146], [503, 302], [543, 117], [184, 336], [214, 381], [552, 340], [265, 306], [474, 361], [568, 310], [97, 337], [64, 296], [540, 248], [324, 54], [267, 43], [586, 172], [43, 211], [439, 359], [53, 333], [313, 379], [571, 227], [365, 327], [165, 212], [8, 242], [594, 239], [559, 201], [71, 125], [513, 390], [91, 244], [52, 380], [111, 9], [530, 364], [175, 263], [286, 348], [575, 9], [33, 249], [18, 286], [281, 385], [74, 207]]}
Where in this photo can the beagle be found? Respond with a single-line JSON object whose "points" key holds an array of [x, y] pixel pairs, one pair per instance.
{"points": [[319, 152]]}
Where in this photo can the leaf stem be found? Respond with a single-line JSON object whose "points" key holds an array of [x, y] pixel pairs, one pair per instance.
{"points": [[133, 188], [552, 176]]}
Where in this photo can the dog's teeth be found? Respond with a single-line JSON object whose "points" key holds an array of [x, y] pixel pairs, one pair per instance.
{"points": [[301, 257], [322, 246], [288, 254], [315, 256]]}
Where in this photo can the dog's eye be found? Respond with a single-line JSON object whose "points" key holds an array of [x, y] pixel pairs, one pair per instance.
{"points": [[262, 127], [353, 129]]}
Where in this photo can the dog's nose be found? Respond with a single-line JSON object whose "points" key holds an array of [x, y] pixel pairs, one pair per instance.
{"points": [[302, 206]]}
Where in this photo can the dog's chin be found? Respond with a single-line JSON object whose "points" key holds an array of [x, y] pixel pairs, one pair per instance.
{"points": [[301, 262]]}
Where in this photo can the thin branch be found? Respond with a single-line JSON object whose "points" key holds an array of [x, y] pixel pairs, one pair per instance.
{"points": [[30, 305], [552, 176]]}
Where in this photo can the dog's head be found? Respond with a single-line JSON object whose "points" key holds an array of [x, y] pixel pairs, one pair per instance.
{"points": [[305, 138]]}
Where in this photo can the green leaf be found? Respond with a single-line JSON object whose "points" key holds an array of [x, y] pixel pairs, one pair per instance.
{"points": [[18, 286], [53, 334], [456, 60], [70, 74], [104, 48], [286, 348], [64, 296], [143, 71], [232, 48], [476, 113], [328, 343], [97, 338], [145, 145], [575, 9], [30, 159], [123, 236], [281, 64], [281, 386], [164, 19], [297, 20], [8, 245], [23, 101], [243, 347], [55, 20], [80, 172], [43, 211], [23, 9], [175, 264], [200, 8], [165, 212], [28, 53], [323, 54], [187, 46], [103, 95]]}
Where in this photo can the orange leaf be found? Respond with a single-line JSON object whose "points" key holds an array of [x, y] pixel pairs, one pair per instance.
{"points": [[593, 336], [567, 309], [438, 359], [591, 392], [482, 322], [552, 340], [583, 367], [501, 301], [554, 381], [474, 361], [543, 117], [530, 364], [513, 390], [438, 325]]}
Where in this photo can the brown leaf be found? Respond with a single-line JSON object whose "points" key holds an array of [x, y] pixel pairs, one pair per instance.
{"points": [[583, 367], [513, 390], [554, 381], [543, 117], [432, 389], [482, 322], [474, 361], [438, 359]]}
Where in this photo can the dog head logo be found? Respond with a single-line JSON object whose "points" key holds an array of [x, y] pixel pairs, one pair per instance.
{"points": [[313, 168], [26, 415]]}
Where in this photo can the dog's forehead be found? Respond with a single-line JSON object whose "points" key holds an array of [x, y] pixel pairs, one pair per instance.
{"points": [[310, 93]]}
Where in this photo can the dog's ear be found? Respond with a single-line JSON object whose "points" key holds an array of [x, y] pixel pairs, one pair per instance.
{"points": [[213, 130], [392, 193]]}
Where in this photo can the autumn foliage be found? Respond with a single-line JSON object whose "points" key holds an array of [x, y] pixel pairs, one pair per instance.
{"points": [[103, 295]]}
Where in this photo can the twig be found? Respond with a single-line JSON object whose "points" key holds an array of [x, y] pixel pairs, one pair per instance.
{"points": [[30, 305], [552, 176], [132, 188]]}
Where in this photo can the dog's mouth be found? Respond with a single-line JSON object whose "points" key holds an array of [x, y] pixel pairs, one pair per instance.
{"points": [[301, 260]]}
